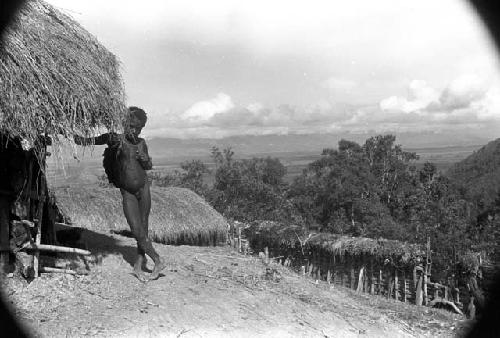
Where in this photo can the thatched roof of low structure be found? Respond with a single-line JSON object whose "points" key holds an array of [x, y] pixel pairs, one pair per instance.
{"points": [[178, 215], [55, 77], [381, 249], [293, 236]]}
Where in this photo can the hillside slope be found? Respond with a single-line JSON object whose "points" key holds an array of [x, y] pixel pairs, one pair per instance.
{"points": [[208, 292], [479, 174]]}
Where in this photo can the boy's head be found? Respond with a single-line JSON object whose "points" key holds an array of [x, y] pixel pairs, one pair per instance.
{"points": [[136, 121]]}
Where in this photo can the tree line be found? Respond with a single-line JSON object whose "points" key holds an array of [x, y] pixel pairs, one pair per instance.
{"points": [[372, 190]]}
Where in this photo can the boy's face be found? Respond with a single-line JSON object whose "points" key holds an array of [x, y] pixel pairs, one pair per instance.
{"points": [[133, 126]]}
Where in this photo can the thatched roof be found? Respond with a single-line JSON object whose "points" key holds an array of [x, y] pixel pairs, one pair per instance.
{"points": [[55, 77], [178, 215], [293, 236], [398, 252]]}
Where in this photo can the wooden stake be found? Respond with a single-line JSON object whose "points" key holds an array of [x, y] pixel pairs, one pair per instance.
{"points": [[372, 282], [360, 279], [425, 296], [405, 290], [239, 244], [329, 277], [353, 278], [396, 285], [379, 288], [418, 296]]}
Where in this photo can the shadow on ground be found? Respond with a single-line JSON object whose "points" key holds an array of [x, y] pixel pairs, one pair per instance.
{"points": [[99, 244]]}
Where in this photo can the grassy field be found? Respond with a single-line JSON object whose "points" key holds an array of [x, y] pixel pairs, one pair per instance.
{"points": [[90, 167]]}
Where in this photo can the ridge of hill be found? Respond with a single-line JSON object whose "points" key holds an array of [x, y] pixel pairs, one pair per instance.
{"points": [[298, 143], [479, 173]]}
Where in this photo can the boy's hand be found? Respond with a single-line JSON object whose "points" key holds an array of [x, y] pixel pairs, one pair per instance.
{"points": [[141, 157]]}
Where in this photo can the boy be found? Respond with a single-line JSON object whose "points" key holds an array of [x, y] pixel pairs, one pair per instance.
{"points": [[126, 160]]}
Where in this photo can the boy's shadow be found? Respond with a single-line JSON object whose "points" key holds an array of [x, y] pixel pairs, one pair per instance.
{"points": [[99, 244]]}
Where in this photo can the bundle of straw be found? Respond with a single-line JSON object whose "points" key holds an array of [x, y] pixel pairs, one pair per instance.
{"points": [[178, 216], [55, 77]]}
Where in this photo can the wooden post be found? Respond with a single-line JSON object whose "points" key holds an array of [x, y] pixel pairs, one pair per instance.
{"points": [[418, 292], [427, 269], [372, 282], [425, 296], [353, 278], [335, 277], [328, 277], [445, 293], [405, 290], [239, 240], [380, 280], [303, 270], [266, 252], [41, 202], [360, 279], [396, 285], [4, 232]]}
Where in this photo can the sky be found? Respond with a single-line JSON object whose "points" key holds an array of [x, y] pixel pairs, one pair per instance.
{"points": [[222, 67]]}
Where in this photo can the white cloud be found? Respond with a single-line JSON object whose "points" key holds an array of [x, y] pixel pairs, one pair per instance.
{"points": [[204, 110], [420, 95]]}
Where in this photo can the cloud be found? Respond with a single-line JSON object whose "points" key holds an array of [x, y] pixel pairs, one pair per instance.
{"points": [[466, 102], [204, 110], [420, 95]]}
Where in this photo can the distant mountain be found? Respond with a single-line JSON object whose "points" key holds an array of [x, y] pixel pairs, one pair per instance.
{"points": [[479, 174], [249, 145]]}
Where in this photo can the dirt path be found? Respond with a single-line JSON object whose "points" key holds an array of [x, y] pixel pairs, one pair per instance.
{"points": [[212, 292]]}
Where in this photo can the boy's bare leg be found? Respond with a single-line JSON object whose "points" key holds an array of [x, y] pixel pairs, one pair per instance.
{"points": [[145, 207], [132, 214]]}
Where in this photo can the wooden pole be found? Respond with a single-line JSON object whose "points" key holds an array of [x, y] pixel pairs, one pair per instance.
{"points": [[353, 278], [57, 270], [418, 293], [372, 282], [405, 290], [360, 279], [239, 243], [329, 277], [41, 202], [56, 248], [425, 296], [379, 288], [396, 285]]}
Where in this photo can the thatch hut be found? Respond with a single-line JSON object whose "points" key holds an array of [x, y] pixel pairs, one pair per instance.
{"points": [[55, 80], [178, 215], [55, 77]]}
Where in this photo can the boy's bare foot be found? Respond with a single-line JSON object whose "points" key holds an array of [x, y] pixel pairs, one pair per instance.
{"points": [[140, 275], [159, 266]]}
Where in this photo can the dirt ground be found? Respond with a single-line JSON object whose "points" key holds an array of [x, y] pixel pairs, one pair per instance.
{"points": [[208, 292]]}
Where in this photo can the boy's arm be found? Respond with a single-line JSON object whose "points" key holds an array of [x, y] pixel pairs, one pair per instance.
{"points": [[98, 140], [143, 157]]}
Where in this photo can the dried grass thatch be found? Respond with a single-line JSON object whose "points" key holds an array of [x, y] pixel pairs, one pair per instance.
{"points": [[275, 234], [381, 249], [178, 215], [55, 77]]}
